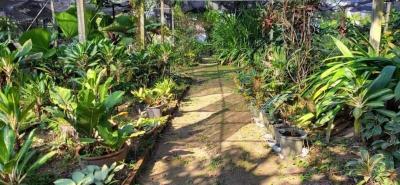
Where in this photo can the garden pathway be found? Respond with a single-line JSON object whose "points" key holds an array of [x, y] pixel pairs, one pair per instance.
{"points": [[212, 140]]}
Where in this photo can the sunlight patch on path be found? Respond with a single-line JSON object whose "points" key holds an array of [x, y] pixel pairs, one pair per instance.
{"points": [[212, 140], [197, 103]]}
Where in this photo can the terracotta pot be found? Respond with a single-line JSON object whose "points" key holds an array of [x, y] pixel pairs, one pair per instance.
{"points": [[154, 112], [108, 159]]}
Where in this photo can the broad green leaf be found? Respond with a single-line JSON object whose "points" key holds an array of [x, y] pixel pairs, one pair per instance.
{"points": [[397, 91], [379, 93], [78, 176], [63, 98], [41, 161], [343, 48], [64, 182], [7, 141], [68, 24], [41, 39], [114, 99], [26, 146], [331, 70], [24, 49], [382, 80], [386, 112]]}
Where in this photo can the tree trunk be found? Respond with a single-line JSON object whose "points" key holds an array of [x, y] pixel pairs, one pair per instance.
{"points": [[80, 8], [376, 24], [162, 20], [387, 18]]}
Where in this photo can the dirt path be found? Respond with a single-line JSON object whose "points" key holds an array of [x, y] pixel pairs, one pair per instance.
{"points": [[213, 140]]}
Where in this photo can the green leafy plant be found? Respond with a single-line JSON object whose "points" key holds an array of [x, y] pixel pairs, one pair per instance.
{"points": [[122, 24], [347, 80], [36, 89], [371, 169], [90, 112], [113, 58], [93, 175], [17, 163], [10, 60], [160, 94], [147, 124], [68, 22], [80, 57], [41, 39], [148, 96], [374, 96], [13, 112]]}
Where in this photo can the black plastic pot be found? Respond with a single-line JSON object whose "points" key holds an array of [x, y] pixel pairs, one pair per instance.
{"points": [[291, 141]]}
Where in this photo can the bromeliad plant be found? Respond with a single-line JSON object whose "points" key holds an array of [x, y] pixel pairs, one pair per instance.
{"points": [[16, 163], [91, 112]]}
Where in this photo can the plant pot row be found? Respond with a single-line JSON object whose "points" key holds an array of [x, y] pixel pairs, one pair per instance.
{"points": [[290, 139], [121, 154]]}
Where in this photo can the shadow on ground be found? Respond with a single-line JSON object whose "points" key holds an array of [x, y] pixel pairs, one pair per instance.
{"points": [[212, 141]]}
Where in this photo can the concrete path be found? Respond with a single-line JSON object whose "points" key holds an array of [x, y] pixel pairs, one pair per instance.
{"points": [[213, 140]]}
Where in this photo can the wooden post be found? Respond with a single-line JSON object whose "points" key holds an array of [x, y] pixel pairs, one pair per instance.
{"points": [[172, 24], [53, 13], [387, 19], [141, 24], [53, 19], [80, 8], [376, 24], [162, 20], [8, 22]]}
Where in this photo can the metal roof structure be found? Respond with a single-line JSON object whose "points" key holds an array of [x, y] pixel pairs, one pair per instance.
{"points": [[24, 11]]}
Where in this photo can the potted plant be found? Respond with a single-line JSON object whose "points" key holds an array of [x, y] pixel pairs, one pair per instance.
{"points": [[149, 125], [291, 141], [155, 98], [91, 113]]}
